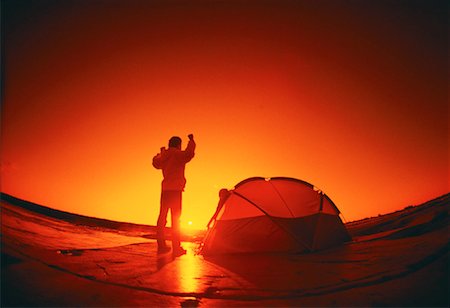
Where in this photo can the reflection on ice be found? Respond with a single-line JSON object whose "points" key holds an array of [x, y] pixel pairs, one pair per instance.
{"points": [[188, 270]]}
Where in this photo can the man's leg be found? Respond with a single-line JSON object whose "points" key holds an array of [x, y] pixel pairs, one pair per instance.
{"points": [[175, 215], [162, 220]]}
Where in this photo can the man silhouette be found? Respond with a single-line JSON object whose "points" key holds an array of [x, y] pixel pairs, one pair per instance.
{"points": [[172, 161]]}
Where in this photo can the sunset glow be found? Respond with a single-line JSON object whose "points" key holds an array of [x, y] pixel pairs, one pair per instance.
{"points": [[349, 96]]}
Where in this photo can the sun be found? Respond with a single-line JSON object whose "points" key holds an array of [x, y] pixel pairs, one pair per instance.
{"points": [[187, 224]]}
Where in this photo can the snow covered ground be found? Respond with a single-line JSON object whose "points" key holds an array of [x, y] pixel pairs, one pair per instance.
{"points": [[399, 259]]}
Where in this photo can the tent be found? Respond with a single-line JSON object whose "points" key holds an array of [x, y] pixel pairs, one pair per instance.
{"points": [[274, 215]]}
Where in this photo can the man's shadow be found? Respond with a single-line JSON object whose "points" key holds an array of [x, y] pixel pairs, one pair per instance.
{"points": [[163, 259]]}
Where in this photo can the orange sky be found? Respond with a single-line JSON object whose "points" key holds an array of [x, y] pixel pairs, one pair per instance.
{"points": [[349, 96]]}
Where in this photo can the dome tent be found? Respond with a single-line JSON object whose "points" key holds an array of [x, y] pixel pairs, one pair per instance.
{"points": [[274, 215]]}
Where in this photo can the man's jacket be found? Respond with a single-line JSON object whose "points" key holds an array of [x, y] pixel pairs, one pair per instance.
{"points": [[172, 162]]}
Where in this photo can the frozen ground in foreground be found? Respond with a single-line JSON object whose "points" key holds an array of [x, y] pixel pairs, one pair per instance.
{"points": [[399, 259]]}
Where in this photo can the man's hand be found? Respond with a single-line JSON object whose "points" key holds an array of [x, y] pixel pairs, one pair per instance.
{"points": [[191, 137]]}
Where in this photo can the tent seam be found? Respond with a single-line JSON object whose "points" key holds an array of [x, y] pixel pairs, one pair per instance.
{"points": [[273, 220], [282, 199]]}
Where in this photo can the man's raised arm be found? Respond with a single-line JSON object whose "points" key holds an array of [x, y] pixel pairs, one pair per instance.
{"points": [[190, 149]]}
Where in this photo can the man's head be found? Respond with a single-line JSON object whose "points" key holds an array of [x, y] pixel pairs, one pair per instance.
{"points": [[175, 142]]}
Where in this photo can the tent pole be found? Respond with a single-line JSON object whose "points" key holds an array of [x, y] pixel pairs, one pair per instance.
{"points": [[222, 200], [318, 221]]}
